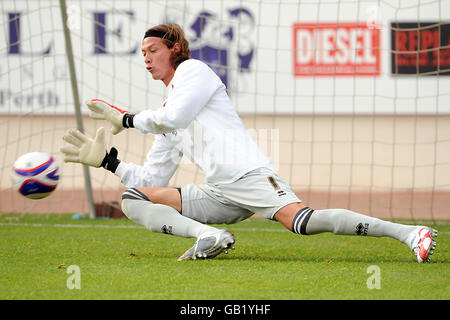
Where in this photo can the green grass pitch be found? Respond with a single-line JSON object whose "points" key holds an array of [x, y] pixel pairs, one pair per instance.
{"points": [[117, 259]]}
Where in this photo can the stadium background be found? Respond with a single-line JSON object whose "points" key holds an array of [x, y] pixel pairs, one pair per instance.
{"points": [[372, 136]]}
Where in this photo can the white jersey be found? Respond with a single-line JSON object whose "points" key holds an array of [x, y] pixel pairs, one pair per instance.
{"points": [[198, 121]]}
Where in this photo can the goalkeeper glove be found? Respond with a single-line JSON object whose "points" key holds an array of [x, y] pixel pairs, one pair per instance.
{"points": [[102, 110], [91, 152]]}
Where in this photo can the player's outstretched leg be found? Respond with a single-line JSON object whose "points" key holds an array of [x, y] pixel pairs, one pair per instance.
{"points": [[340, 221], [162, 218], [307, 221]]}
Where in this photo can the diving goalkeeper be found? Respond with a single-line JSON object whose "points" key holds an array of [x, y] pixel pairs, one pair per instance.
{"points": [[198, 121]]}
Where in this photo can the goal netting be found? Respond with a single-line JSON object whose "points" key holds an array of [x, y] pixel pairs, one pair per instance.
{"points": [[349, 99]]}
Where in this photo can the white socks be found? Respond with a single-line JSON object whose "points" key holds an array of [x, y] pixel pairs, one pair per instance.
{"points": [[346, 222], [160, 218], [165, 219]]}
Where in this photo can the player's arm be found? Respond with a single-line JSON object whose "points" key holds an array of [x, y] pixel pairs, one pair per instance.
{"points": [[196, 84]]}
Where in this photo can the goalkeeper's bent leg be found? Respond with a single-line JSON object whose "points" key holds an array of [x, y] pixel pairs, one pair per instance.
{"points": [[160, 218]]}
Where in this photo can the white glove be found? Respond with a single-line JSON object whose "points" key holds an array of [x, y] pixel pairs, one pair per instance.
{"points": [[102, 110], [86, 150]]}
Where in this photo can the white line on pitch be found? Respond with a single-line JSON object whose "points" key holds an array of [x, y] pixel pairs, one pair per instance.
{"points": [[102, 226], [99, 226]]}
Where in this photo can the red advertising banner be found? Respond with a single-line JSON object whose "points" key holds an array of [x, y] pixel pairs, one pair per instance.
{"points": [[336, 49], [420, 48]]}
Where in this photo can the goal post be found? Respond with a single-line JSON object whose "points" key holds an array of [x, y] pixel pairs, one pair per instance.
{"points": [[76, 101], [349, 99]]}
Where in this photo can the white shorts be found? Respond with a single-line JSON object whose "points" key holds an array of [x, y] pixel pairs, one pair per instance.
{"points": [[260, 191]]}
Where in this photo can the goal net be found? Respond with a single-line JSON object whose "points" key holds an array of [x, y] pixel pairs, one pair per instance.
{"points": [[350, 100]]}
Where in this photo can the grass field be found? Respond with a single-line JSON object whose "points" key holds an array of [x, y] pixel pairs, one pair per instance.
{"points": [[118, 259]]}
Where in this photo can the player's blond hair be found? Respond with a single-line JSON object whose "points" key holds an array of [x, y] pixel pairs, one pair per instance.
{"points": [[175, 32]]}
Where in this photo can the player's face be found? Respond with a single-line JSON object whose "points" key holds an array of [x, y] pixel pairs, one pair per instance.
{"points": [[157, 59]]}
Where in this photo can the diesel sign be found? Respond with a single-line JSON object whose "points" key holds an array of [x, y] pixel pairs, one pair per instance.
{"points": [[331, 49]]}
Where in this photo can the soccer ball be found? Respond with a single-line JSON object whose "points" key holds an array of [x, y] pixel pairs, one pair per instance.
{"points": [[35, 175]]}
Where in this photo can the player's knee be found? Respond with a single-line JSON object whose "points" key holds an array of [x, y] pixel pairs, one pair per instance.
{"points": [[128, 197], [301, 220]]}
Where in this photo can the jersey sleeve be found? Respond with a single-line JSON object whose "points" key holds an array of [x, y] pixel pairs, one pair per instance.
{"points": [[162, 161], [194, 86]]}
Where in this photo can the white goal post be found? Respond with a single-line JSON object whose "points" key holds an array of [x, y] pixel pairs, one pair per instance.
{"points": [[349, 99]]}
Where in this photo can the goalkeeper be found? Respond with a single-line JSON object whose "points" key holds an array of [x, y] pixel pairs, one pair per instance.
{"points": [[198, 121]]}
